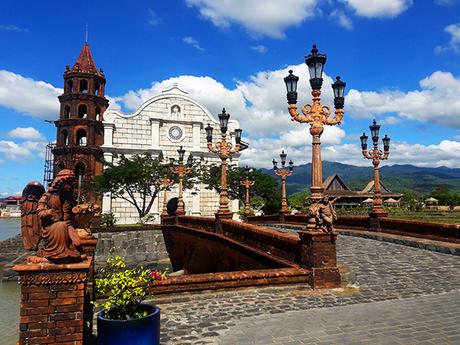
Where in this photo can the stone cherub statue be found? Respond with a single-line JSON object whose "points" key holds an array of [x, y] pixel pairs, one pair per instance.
{"points": [[54, 218], [322, 215]]}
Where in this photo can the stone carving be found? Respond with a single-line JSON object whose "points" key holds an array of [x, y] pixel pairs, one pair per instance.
{"points": [[55, 218], [49, 278], [175, 111], [322, 215], [31, 229]]}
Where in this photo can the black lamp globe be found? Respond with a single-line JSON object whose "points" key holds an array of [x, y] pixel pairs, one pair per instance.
{"points": [[208, 130], [275, 163], [283, 157], [291, 165], [339, 93], [223, 118], [238, 132], [291, 87], [374, 130], [363, 139], [181, 152], [386, 143], [315, 62]]}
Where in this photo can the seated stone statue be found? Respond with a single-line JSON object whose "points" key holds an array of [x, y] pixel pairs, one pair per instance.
{"points": [[31, 229], [322, 215]]}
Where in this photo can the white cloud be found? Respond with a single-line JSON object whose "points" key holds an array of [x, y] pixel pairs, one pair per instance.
{"points": [[193, 42], [379, 8], [29, 133], [41, 101], [268, 18], [454, 43], [261, 49], [445, 2], [22, 152], [342, 19], [437, 101], [10, 27]]}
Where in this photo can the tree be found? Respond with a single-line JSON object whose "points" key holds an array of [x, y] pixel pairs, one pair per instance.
{"points": [[265, 188], [137, 180], [300, 200]]}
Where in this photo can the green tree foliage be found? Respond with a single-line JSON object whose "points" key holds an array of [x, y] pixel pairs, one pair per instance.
{"points": [[265, 191], [411, 201], [300, 200], [445, 196], [137, 180]]}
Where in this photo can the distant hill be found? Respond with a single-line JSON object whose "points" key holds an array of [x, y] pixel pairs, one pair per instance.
{"points": [[398, 178]]}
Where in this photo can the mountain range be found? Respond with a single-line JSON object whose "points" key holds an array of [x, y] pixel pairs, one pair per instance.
{"points": [[397, 178]]}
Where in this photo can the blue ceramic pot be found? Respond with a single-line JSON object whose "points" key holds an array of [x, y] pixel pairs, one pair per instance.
{"points": [[143, 331]]}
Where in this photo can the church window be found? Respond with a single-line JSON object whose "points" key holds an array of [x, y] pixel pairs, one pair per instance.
{"points": [[66, 112], [59, 166], [96, 89], [65, 138], [81, 137], [98, 114], [69, 86], [80, 169], [82, 111], [175, 133], [83, 86]]}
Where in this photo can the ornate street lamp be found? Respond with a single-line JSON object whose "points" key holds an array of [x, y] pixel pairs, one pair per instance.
{"points": [[376, 155], [247, 184], [283, 172], [165, 183], [181, 170], [315, 114], [224, 150]]}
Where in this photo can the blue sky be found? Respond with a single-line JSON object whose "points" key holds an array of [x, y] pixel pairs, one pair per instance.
{"points": [[400, 59]]}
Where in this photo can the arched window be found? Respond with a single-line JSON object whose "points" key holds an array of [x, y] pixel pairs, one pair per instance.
{"points": [[58, 166], [82, 111], [96, 89], [80, 169], [66, 112], [81, 137], [69, 86], [83, 86], [65, 137], [98, 114]]}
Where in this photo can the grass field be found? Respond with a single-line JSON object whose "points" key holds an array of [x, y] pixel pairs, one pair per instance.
{"points": [[450, 217]]}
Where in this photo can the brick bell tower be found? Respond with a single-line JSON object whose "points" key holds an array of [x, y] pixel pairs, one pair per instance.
{"points": [[80, 133]]}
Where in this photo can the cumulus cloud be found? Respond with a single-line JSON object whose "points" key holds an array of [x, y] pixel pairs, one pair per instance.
{"points": [[193, 42], [261, 49], [29, 133], [437, 101], [41, 101], [22, 152], [379, 8], [268, 18], [454, 44]]}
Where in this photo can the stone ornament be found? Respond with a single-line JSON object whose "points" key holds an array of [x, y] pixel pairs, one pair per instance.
{"points": [[54, 218], [322, 215]]}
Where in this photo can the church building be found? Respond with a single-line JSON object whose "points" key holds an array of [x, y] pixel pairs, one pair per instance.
{"points": [[88, 133]]}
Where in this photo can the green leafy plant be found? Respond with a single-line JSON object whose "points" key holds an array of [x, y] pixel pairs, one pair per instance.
{"points": [[108, 219], [125, 289]]}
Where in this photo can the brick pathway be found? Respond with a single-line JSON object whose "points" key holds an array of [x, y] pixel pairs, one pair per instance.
{"points": [[384, 272]]}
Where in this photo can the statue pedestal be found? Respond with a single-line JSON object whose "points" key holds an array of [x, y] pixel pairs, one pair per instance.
{"points": [[374, 222], [318, 254], [53, 303]]}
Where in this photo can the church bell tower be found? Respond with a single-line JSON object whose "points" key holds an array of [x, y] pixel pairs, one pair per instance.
{"points": [[80, 132]]}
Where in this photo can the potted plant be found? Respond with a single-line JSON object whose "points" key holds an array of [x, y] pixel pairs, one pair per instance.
{"points": [[125, 319]]}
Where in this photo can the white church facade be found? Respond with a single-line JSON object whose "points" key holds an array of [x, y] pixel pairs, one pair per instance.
{"points": [[160, 126]]}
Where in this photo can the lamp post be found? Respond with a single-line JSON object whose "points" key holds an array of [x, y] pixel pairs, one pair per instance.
{"points": [[315, 114], [376, 155], [283, 172], [247, 184], [224, 149], [181, 170], [165, 182]]}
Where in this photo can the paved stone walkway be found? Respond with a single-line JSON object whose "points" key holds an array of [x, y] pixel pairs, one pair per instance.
{"points": [[419, 320], [385, 272]]}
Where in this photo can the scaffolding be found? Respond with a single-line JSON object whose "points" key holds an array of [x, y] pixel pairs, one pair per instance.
{"points": [[49, 164]]}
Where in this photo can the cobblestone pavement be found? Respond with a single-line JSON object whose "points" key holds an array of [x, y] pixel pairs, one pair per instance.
{"points": [[384, 271], [420, 320]]}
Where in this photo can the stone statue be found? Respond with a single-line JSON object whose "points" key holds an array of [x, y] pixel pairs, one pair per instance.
{"points": [[31, 229], [55, 213], [322, 215]]}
